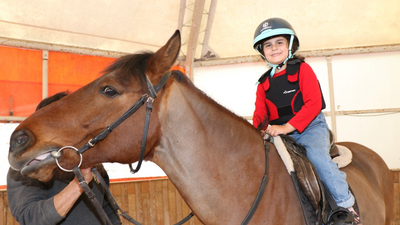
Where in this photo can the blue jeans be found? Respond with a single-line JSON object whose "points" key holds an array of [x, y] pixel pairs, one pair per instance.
{"points": [[315, 138]]}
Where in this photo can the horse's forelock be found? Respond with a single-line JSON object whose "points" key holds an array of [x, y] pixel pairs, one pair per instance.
{"points": [[130, 65]]}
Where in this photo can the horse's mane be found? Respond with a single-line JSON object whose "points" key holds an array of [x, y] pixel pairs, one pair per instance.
{"points": [[183, 79], [128, 65]]}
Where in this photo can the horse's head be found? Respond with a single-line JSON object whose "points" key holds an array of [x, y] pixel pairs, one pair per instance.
{"points": [[83, 114]]}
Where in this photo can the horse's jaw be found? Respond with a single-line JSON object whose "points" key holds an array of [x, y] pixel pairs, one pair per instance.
{"points": [[37, 163], [43, 173], [40, 167]]}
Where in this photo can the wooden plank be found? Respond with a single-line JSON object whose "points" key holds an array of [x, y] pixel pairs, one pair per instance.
{"points": [[186, 211], [396, 186], [139, 207], [3, 208], [395, 176], [152, 203], [172, 203], [165, 202], [132, 201], [124, 197], [145, 202], [178, 200], [396, 216], [114, 189], [159, 202], [125, 201]]}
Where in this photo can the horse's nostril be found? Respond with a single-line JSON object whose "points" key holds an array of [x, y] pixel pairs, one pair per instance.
{"points": [[19, 139]]}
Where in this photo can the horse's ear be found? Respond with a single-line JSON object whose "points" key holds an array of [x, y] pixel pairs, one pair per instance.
{"points": [[163, 60]]}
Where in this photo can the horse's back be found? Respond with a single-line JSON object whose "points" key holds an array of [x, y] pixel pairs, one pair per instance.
{"points": [[372, 184]]}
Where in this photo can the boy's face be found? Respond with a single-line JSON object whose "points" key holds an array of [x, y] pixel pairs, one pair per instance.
{"points": [[276, 49]]}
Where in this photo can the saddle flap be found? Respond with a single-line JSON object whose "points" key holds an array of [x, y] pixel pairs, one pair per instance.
{"points": [[305, 171]]}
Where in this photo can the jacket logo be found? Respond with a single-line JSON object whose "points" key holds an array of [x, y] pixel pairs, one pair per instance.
{"points": [[288, 92]]}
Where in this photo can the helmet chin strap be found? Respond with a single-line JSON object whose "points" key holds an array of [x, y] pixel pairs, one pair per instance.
{"points": [[279, 66], [275, 66]]}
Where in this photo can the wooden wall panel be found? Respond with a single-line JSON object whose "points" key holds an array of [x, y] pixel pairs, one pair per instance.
{"points": [[157, 202], [151, 202], [396, 183]]}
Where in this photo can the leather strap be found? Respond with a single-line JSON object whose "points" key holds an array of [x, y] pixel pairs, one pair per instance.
{"points": [[261, 189], [90, 194]]}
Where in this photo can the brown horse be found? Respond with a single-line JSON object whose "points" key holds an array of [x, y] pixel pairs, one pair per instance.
{"points": [[214, 158]]}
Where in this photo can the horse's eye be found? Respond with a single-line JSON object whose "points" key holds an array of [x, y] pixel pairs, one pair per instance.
{"points": [[109, 92]]}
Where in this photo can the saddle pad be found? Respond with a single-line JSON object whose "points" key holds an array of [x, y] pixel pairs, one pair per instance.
{"points": [[344, 158]]}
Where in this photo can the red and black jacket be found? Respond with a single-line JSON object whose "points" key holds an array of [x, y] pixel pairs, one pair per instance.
{"points": [[293, 95]]}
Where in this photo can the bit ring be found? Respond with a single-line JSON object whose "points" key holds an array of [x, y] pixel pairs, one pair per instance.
{"points": [[66, 147]]}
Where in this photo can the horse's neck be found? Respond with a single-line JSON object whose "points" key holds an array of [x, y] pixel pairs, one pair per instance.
{"points": [[208, 153]]}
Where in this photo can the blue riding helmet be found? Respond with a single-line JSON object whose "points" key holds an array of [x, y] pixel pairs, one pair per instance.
{"points": [[270, 28]]}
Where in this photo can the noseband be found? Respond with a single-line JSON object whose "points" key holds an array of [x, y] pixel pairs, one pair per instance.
{"points": [[149, 98]]}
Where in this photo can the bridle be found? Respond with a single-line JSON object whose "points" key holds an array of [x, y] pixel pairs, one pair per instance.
{"points": [[149, 98]]}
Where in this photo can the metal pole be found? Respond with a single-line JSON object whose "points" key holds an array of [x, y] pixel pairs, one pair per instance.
{"points": [[45, 74], [331, 96]]}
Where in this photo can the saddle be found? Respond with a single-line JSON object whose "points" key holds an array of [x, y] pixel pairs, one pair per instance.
{"points": [[307, 178]]}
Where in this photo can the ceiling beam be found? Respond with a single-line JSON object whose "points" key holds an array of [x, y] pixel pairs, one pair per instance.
{"points": [[182, 10], [309, 53], [194, 36], [34, 45], [206, 50]]}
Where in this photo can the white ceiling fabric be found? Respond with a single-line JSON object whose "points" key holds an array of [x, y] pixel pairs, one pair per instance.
{"points": [[128, 26]]}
